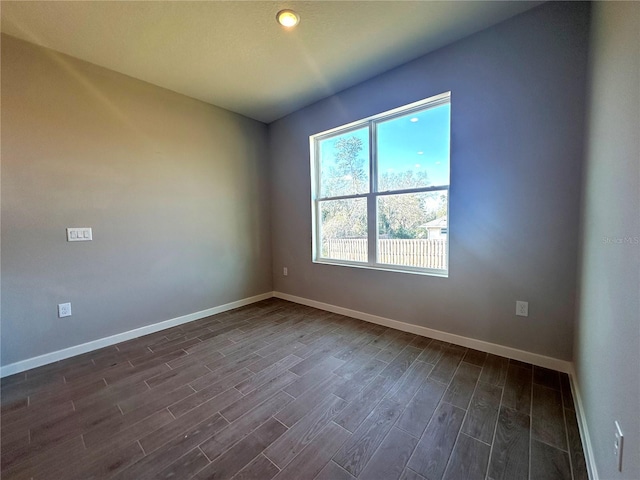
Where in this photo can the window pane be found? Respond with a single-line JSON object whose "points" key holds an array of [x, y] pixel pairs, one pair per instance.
{"points": [[344, 164], [343, 229], [413, 230], [413, 150]]}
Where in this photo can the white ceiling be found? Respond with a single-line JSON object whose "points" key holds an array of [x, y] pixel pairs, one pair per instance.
{"points": [[233, 53]]}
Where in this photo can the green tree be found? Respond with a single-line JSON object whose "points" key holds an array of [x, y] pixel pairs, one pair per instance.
{"points": [[345, 218], [402, 180], [399, 216], [348, 176]]}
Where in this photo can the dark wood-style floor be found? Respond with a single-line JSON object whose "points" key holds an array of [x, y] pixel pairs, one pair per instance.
{"points": [[279, 390]]}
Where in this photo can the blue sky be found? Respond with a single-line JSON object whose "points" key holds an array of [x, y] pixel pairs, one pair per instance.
{"points": [[421, 145], [418, 142]]}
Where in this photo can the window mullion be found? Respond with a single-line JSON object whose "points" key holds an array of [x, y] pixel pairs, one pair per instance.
{"points": [[342, 197], [436, 188], [372, 216]]}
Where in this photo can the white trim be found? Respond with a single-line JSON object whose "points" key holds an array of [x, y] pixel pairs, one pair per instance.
{"points": [[51, 357], [524, 356], [587, 446]]}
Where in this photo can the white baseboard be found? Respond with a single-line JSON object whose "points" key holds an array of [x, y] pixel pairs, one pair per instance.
{"points": [[533, 358], [51, 357], [587, 447]]}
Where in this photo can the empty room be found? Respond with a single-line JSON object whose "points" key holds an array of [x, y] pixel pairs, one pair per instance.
{"points": [[320, 240]]}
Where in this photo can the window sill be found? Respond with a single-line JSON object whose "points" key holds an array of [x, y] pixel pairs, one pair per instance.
{"points": [[383, 268]]}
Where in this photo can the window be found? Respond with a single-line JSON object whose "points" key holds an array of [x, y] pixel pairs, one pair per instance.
{"points": [[380, 190]]}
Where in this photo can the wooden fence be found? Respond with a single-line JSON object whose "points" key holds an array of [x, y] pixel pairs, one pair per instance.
{"points": [[416, 253]]}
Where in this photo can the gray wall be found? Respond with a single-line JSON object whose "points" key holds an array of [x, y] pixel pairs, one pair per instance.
{"points": [[176, 192], [607, 351], [518, 93]]}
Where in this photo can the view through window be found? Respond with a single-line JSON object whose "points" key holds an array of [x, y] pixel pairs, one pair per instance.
{"points": [[380, 190]]}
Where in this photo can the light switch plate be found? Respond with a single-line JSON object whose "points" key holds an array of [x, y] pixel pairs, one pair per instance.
{"points": [[79, 234]]}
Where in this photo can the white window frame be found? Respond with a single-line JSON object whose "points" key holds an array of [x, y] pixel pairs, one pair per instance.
{"points": [[372, 197]]}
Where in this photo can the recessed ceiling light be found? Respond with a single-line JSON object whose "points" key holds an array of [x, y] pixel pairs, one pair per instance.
{"points": [[420, 153], [415, 119], [287, 18]]}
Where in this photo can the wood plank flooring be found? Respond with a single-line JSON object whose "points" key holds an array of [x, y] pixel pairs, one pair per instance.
{"points": [[283, 391]]}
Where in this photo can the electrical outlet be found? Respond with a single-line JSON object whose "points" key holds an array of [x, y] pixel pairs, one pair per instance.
{"points": [[64, 310], [618, 443], [522, 308], [285, 271]]}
